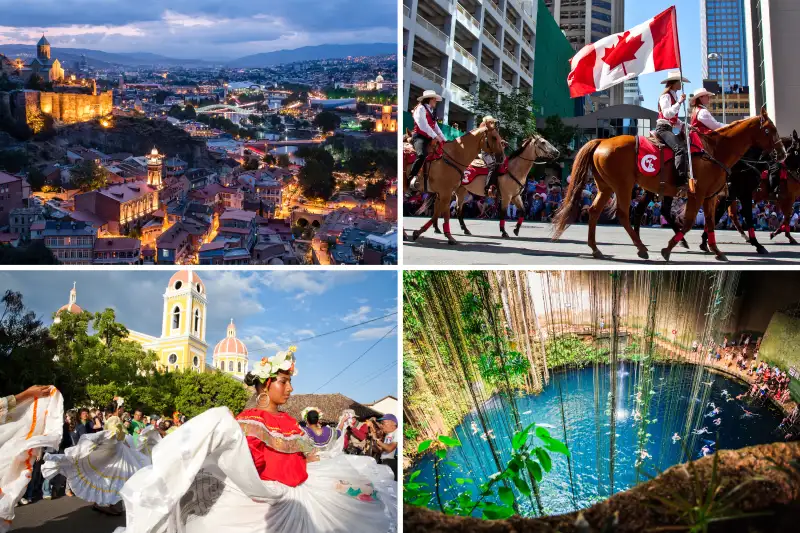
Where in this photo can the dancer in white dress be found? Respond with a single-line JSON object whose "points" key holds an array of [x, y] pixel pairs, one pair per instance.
{"points": [[100, 464], [258, 472], [29, 421]]}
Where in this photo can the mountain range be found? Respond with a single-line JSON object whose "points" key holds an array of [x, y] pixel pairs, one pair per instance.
{"points": [[99, 59]]}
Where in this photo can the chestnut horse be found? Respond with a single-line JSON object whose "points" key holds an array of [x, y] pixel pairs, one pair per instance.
{"points": [[444, 174], [511, 185], [613, 165]]}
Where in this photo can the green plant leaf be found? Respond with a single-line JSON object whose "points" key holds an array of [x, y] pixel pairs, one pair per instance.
{"points": [[441, 454], [542, 433], [534, 470], [555, 446], [451, 463], [506, 495], [519, 439], [422, 501], [522, 486], [544, 458], [414, 475], [449, 441], [424, 445]]}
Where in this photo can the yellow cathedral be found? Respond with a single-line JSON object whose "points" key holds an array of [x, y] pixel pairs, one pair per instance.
{"points": [[182, 344]]}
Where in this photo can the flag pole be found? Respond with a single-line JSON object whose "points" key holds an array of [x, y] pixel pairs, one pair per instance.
{"points": [[685, 112]]}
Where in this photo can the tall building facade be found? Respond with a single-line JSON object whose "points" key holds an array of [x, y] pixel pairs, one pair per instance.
{"points": [[588, 21], [182, 344], [633, 93], [450, 46], [771, 28], [722, 32], [553, 52]]}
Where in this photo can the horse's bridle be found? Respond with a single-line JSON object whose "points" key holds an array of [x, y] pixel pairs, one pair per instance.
{"points": [[534, 161], [450, 160]]}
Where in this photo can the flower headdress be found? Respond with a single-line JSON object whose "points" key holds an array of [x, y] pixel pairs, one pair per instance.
{"points": [[304, 412], [269, 367]]}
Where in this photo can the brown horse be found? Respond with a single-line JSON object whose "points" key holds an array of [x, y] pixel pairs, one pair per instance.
{"points": [[613, 164], [444, 174], [511, 184]]}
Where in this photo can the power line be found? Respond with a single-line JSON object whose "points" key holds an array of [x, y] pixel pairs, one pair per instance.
{"points": [[356, 359], [375, 376], [330, 332]]}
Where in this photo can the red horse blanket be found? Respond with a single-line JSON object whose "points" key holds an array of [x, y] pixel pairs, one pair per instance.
{"points": [[648, 156]]}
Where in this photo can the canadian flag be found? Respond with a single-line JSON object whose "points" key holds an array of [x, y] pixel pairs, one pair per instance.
{"points": [[648, 47]]}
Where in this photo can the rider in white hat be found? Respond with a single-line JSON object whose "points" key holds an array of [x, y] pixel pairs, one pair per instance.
{"points": [[702, 120], [669, 106], [425, 131]]}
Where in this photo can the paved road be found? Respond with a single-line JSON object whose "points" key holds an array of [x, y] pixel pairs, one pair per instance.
{"points": [[534, 247], [63, 515]]}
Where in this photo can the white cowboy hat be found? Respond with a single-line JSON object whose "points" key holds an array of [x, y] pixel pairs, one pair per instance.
{"points": [[675, 75], [429, 94], [698, 93], [489, 118]]}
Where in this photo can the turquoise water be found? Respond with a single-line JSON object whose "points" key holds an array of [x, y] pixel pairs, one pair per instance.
{"points": [[680, 398]]}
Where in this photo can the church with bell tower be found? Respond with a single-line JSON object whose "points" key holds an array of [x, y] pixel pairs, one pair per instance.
{"points": [[42, 66], [155, 166], [182, 343]]}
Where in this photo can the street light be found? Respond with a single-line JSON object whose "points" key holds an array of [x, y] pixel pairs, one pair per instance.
{"points": [[714, 55]]}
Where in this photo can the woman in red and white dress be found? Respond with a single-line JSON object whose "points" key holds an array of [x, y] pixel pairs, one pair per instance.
{"points": [[258, 471]]}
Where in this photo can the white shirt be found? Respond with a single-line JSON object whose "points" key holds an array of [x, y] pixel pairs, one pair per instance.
{"points": [[668, 110], [421, 120], [388, 439], [705, 116]]}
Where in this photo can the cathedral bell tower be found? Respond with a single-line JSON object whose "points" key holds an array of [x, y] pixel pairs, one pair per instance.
{"points": [[154, 169], [43, 49]]}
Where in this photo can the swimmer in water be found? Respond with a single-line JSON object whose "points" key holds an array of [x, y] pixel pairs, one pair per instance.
{"points": [[474, 427], [675, 438], [701, 431], [705, 450], [711, 405], [747, 414], [707, 383], [717, 421], [490, 433], [725, 392]]}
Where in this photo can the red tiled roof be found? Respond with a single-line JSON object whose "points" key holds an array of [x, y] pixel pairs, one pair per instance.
{"points": [[120, 244]]}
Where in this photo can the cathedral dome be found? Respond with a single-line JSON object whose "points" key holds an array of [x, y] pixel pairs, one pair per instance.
{"points": [[179, 280], [75, 309], [230, 345], [379, 78]]}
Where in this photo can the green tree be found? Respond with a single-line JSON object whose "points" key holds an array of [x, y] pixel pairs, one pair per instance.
{"points": [[161, 96], [275, 121], [26, 349], [36, 179], [88, 176], [316, 179], [189, 112], [176, 112], [374, 190], [6, 84], [196, 392], [559, 134], [269, 159], [514, 111], [367, 125], [251, 164], [327, 121], [35, 253], [35, 83]]}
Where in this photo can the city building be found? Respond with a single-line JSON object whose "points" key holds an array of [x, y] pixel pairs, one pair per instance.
{"points": [[551, 68], [119, 204], [21, 219], [771, 63], [230, 354], [118, 251], [71, 242], [11, 196], [239, 225], [633, 93], [588, 21], [182, 343], [71, 307], [450, 49], [722, 32], [388, 120]]}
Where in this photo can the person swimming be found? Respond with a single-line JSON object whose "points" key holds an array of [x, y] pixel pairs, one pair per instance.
{"points": [[675, 438], [748, 414], [717, 421], [707, 383], [701, 431], [474, 427], [714, 412], [725, 392], [705, 450], [711, 405]]}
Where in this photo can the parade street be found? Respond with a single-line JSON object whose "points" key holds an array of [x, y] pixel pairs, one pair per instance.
{"points": [[534, 246], [63, 514]]}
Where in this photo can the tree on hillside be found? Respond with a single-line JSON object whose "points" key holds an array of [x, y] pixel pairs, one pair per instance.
{"points": [[36, 179], [514, 111], [251, 164], [374, 190], [189, 113], [88, 176], [35, 83], [316, 179], [35, 253], [327, 121], [368, 125], [284, 160], [13, 161]]}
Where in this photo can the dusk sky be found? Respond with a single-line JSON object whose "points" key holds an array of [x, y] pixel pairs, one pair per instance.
{"points": [[197, 29], [271, 310]]}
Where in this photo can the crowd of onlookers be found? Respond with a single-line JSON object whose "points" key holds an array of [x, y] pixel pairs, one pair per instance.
{"points": [[544, 196]]}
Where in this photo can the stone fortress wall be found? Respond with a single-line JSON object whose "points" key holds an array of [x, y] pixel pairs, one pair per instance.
{"points": [[67, 108]]}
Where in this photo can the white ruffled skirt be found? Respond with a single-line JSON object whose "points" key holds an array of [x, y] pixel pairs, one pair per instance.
{"points": [[30, 426], [97, 467], [203, 480]]}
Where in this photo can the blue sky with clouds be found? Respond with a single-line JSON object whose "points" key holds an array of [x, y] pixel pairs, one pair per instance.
{"points": [[197, 28], [638, 11], [271, 310]]}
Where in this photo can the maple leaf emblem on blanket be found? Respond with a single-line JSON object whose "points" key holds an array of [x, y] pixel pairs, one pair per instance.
{"points": [[624, 50]]}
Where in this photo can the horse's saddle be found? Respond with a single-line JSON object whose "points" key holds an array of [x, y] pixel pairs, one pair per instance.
{"points": [[410, 155], [478, 168], [651, 153]]}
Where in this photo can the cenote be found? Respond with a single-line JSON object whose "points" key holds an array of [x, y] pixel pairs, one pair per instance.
{"points": [[681, 399]]}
